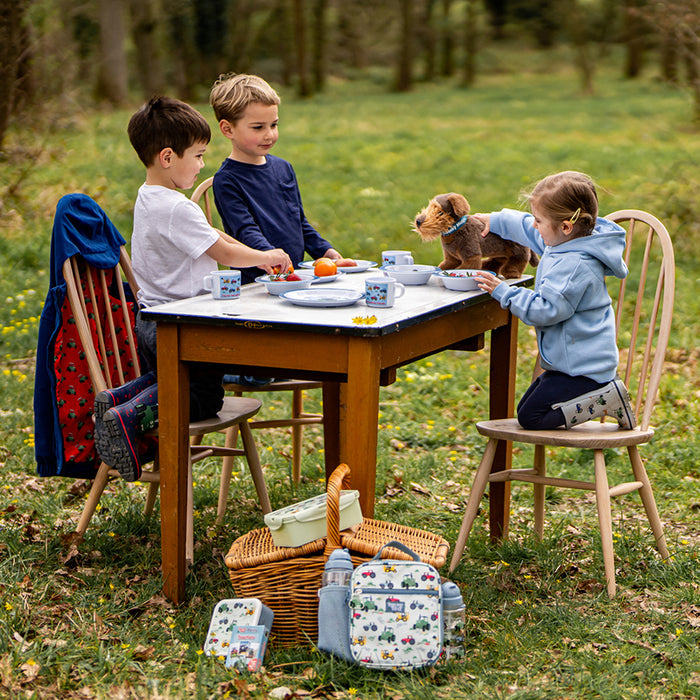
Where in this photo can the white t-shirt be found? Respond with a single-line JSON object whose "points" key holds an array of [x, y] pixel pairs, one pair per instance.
{"points": [[168, 246]]}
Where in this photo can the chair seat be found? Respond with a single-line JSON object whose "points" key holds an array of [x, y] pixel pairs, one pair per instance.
{"points": [[234, 410], [280, 385], [591, 435]]}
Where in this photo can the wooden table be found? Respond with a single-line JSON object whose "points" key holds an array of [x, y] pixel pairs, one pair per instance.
{"points": [[264, 334]]}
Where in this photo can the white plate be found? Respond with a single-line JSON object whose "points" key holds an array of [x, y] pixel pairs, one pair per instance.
{"points": [[323, 297], [308, 274], [361, 266]]}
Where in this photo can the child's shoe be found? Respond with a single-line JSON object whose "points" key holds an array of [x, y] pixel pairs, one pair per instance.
{"points": [[113, 397], [125, 425], [610, 400]]}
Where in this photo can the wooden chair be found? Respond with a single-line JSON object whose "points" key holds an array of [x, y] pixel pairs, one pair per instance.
{"points": [[299, 418], [643, 310], [107, 337]]}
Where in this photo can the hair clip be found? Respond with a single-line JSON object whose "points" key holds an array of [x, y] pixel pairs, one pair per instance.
{"points": [[574, 218]]}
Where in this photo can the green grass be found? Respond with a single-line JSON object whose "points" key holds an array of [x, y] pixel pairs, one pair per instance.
{"points": [[90, 622]]}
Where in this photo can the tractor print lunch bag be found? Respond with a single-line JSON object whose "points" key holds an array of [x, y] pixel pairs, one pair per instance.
{"points": [[395, 612]]}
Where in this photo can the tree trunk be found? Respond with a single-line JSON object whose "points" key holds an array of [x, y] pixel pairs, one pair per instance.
{"points": [[183, 54], [404, 79], [470, 47], [446, 41], [318, 56], [113, 80], [427, 36], [144, 23], [299, 22], [11, 13], [634, 39]]}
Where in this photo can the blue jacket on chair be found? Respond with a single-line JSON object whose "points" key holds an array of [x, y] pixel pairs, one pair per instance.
{"points": [[80, 227]]}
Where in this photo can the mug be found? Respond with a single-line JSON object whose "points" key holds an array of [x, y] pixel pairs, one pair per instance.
{"points": [[224, 284], [381, 291], [397, 257]]}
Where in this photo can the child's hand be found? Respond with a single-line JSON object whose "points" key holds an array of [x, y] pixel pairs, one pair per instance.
{"points": [[485, 219], [277, 261], [332, 254], [487, 281]]}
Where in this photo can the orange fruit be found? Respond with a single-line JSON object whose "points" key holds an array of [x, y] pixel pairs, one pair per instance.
{"points": [[325, 267]]}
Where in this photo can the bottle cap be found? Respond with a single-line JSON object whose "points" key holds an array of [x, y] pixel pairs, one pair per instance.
{"points": [[339, 559], [451, 595]]}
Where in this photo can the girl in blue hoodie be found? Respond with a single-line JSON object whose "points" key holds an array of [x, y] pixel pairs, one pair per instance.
{"points": [[569, 307]]}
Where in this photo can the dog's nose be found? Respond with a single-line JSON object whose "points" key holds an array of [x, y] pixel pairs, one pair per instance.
{"points": [[420, 220]]}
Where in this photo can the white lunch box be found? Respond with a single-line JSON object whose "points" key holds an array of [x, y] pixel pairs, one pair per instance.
{"points": [[299, 523]]}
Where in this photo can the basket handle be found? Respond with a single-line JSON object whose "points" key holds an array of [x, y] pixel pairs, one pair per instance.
{"points": [[338, 479]]}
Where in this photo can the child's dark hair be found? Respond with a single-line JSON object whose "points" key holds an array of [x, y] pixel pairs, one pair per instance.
{"points": [[568, 196], [164, 122]]}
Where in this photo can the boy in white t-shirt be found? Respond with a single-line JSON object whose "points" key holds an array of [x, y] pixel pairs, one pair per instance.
{"points": [[173, 248]]}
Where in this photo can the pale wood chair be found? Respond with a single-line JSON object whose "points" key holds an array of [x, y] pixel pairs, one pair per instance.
{"points": [[106, 334], [643, 309], [298, 418]]}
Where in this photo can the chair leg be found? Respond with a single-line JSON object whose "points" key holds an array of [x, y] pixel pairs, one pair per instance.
{"points": [[96, 491], [539, 489], [151, 499], [648, 501], [477, 491], [602, 493], [251, 454], [297, 433], [230, 441], [189, 537]]}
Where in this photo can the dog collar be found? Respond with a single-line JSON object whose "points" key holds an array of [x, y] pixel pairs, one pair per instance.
{"points": [[456, 226]]}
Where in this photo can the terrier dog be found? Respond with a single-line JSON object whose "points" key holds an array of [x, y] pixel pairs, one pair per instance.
{"points": [[463, 246]]}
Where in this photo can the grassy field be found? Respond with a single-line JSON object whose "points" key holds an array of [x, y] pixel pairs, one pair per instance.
{"points": [[89, 622]]}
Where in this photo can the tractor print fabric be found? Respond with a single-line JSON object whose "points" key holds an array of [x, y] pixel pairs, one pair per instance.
{"points": [[227, 614], [75, 397], [395, 614]]}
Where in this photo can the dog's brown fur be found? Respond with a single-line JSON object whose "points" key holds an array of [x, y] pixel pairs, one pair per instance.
{"points": [[466, 248]]}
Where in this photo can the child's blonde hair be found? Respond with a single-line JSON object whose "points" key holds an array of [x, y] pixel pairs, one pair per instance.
{"points": [[567, 196], [232, 93]]}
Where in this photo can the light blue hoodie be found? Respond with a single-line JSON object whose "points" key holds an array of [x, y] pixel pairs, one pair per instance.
{"points": [[570, 307]]}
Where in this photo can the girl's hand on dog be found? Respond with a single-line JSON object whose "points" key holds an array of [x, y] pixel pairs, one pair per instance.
{"points": [[485, 219], [487, 281]]}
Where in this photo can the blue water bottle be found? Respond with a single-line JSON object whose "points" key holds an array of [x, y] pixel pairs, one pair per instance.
{"points": [[453, 621], [338, 568]]}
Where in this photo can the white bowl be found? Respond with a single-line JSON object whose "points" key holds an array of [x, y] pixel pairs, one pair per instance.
{"points": [[276, 287], [459, 280], [410, 274]]}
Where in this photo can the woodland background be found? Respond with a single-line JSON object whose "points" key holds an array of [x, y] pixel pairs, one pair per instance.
{"points": [[57, 54]]}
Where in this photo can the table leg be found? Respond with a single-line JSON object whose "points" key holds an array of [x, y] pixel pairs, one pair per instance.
{"points": [[331, 426], [359, 413], [503, 363], [173, 456]]}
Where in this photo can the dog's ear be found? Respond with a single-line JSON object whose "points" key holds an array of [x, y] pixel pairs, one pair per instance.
{"points": [[453, 204]]}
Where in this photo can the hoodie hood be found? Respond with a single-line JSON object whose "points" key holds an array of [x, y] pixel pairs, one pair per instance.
{"points": [[606, 244]]}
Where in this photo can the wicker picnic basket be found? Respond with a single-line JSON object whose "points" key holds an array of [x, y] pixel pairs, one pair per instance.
{"points": [[287, 579]]}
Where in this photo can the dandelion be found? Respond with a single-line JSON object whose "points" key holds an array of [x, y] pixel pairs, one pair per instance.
{"points": [[112, 534], [125, 646], [352, 691], [518, 602], [8, 606], [200, 652], [679, 631]]}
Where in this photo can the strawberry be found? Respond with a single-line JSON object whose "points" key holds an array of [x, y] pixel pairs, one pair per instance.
{"points": [[292, 277]]}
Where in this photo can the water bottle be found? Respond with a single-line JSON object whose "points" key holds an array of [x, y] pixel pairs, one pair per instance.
{"points": [[453, 620], [338, 568]]}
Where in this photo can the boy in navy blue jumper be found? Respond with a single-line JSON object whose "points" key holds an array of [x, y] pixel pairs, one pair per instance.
{"points": [[256, 193]]}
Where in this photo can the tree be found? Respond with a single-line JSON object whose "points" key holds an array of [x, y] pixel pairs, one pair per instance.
{"points": [[299, 23], [113, 79], [470, 39], [11, 18], [404, 75], [144, 25], [318, 49]]}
